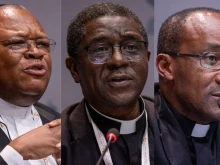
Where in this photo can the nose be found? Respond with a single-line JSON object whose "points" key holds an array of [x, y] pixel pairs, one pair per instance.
{"points": [[33, 52], [117, 60]]}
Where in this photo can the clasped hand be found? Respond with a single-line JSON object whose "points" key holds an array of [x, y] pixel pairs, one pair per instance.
{"points": [[40, 142]]}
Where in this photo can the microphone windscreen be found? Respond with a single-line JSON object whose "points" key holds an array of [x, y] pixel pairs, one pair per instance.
{"points": [[113, 132], [218, 101]]}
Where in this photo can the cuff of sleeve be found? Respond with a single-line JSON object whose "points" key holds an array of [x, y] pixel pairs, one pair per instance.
{"points": [[11, 156]]}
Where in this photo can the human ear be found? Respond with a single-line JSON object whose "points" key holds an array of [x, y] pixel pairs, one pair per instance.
{"points": [[71, 65], [164, 65]]}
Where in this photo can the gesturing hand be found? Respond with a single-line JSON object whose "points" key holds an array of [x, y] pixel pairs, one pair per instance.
{"points": [[40, 142]]}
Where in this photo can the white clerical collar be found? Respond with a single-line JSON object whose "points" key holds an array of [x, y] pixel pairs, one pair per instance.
{"points": [[200, 131], [13, 110], [127, 126]]}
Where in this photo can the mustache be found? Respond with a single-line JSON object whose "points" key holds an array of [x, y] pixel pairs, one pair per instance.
{"points": [[119, 71], [119, 74]]}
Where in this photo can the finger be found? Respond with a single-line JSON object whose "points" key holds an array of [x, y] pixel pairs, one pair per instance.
{"points": [[58, 146], [59, 161], [58, 157], [55, 123]]}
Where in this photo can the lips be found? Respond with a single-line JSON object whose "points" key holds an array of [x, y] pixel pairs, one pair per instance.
{"points": [[216, 94], [36, 70], [119, 80]]}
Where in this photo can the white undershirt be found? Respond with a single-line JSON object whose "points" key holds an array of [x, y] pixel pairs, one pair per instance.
{"points": [[19, 120]]}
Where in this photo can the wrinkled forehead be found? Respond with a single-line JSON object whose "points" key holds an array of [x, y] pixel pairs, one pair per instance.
{"points": [[19, 19], [107, 27]]}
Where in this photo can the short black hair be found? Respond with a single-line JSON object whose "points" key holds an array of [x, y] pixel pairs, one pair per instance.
{"points": [[75, 32], [172, 29]]}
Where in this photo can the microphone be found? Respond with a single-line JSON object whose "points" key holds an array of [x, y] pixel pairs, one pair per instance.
{"points": [[112, 137], [218, 102]]}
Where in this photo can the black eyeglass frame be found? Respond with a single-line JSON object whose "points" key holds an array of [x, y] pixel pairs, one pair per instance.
{"points": [[87, 50], [200, 56], [28, 44]]}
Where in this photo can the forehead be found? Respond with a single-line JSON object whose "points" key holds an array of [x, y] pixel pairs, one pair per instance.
{"points": [[18, 21], [112, 27], [202, 30]]}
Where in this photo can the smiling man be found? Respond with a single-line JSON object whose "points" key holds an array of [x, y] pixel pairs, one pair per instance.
{"points": [[108, 56], [25, 69], [187, 129]]}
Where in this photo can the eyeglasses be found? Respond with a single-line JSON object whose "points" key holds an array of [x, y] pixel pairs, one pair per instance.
{"points": [[209, 60], [100, 53], [20, 45]]}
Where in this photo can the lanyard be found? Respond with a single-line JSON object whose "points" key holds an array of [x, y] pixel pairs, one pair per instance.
{"points": [[145, 159], [4, 128], [36, 117]]}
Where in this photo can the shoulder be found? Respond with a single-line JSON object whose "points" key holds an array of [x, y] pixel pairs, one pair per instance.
{"points": [[70, 113], [74, 111], [69, 109], [47, 114], [74, 120], [149, 106], [149, 103]]}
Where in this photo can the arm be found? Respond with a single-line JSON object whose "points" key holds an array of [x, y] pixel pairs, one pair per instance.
{"points": [[8, 153], [40, 142]]}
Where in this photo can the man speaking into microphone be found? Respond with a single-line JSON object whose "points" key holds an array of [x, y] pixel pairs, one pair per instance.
{"points": [[108, 56], [187, 107]]}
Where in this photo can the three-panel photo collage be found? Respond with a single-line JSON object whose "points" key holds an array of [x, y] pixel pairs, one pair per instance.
{"points": [[109, 82]]}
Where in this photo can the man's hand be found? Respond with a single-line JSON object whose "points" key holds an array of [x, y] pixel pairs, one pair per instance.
{"points": [[40, 142], [58, 154], [55, 123]]}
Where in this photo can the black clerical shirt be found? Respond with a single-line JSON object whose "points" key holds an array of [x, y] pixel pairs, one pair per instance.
{"points": [[127, 149], [203, 150]]}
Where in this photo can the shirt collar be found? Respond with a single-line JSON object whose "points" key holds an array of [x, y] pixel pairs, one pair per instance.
{"points": [[125, 126], [13, 110], [200, 130], [191, 128]]}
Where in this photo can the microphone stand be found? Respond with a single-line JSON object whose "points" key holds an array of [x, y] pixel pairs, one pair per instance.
{"points": [[106, 148]]}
